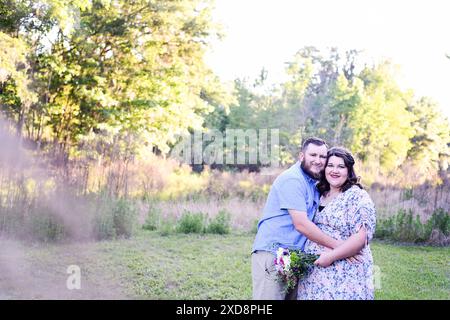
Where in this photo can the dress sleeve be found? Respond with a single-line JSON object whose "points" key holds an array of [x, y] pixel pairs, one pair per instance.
{"points": [[365, 216]]}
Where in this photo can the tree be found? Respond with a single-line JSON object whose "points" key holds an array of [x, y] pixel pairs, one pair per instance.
{"points": [[381, 124], [430, 150], [126, 74]]}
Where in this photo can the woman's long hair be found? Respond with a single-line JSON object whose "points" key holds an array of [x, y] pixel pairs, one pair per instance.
{"points": [[352, 180]]}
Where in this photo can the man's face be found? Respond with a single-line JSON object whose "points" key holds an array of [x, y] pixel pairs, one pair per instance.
{"points": [[313, 160]]}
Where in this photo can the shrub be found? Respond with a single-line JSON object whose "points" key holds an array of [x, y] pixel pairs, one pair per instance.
{"points": [[405, 228], [409, 230], [191, 223], [440, 220], [104, 225], [124, 217], [153, 219], [385, 228], [167, 227], [46, 227], [220, 224], [114, 218]]}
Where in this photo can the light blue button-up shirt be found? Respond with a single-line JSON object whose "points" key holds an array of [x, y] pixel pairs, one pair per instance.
{"points": [[293, 189]]}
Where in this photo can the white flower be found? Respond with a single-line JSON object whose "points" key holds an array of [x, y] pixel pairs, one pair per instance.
{"points": [[287, 262], [283, 260], [280, 252]]}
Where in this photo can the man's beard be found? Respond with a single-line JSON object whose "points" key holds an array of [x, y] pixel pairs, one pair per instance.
{"points": [[307, 170]]}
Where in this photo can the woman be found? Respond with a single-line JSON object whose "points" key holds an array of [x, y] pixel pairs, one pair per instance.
{"points": [[347, 213]]}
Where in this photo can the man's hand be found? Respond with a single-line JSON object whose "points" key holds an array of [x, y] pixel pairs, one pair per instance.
{"points": [[356, 258]]}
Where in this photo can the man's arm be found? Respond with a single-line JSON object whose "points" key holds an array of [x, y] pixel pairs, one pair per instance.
{"points": [[305, 226], [349, 248]]}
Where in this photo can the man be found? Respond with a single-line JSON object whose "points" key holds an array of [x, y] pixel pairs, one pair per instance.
{"points": [[287, 219]]}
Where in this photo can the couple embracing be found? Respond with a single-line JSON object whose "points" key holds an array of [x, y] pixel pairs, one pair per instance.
{"points": [[317, 206]]}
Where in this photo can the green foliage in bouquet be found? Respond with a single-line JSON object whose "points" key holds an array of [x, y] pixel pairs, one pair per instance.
{"points": [[292, 265]]}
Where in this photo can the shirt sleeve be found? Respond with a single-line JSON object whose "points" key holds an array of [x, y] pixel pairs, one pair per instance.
{"points": [[365, 216], [292, 195]]}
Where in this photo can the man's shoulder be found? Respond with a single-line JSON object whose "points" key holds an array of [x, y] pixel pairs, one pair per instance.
{"points": [[290, 175]]}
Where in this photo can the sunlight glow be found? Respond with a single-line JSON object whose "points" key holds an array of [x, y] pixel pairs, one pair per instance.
{"points": [[267, 33]]}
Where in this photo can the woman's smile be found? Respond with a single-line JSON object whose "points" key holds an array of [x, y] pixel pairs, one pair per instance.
{"points": [[336, 172]]}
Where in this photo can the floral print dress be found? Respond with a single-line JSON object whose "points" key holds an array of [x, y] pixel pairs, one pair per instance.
{"points": [[342, 280]]}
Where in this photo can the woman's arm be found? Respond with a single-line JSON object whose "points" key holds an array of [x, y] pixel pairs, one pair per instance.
{"points": [[349, 248]]}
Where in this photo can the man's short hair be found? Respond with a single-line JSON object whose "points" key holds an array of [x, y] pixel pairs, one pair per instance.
{"points": [[314, 140]]}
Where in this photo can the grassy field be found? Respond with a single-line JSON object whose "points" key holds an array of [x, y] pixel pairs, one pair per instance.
{"points": [[150, 266]]}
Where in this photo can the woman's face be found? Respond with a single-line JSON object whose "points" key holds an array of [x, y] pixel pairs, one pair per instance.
{"points": [[336, 172]]}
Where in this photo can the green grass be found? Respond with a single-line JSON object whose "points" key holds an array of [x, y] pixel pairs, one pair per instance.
{"points": [[192, 266], [412, 272]]}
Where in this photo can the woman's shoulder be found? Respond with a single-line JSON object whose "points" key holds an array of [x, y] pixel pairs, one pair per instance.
{"points": [[358, 193]]}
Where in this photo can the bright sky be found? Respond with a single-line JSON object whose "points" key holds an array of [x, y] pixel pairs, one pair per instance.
{"points": [[415, 34]]}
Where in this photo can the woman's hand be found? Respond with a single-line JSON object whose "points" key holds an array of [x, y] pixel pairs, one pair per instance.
{"points": [[325, 259], [357, 258]]}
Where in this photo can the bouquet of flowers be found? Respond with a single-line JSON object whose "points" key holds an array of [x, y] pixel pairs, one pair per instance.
{"points": [[292, 265]]}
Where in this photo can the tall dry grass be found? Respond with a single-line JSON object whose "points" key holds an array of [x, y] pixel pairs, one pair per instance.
{"points": [[243, 212], [422, 200], [80, 199]]}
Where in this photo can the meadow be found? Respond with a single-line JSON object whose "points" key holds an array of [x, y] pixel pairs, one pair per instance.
{"points": [[193, 266], [176, 234]]}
